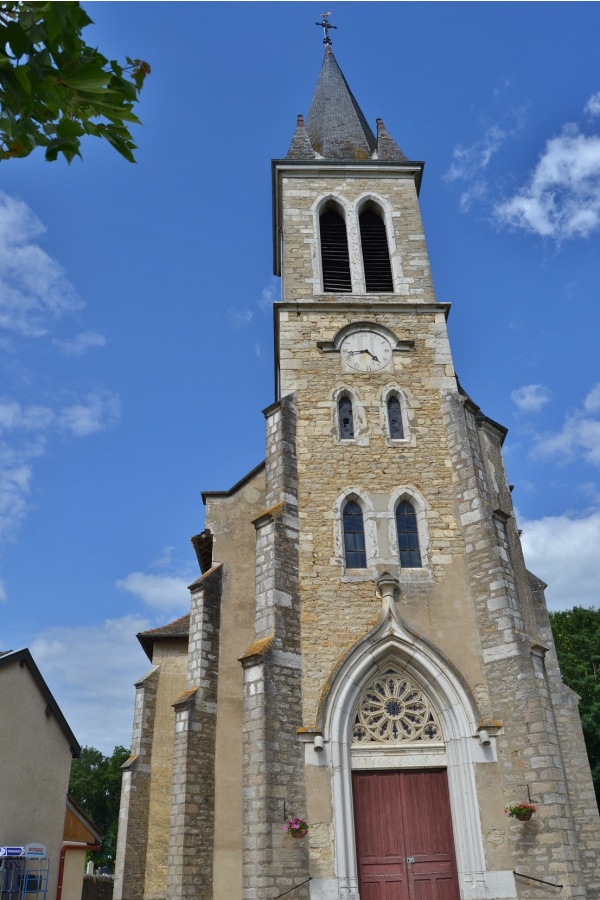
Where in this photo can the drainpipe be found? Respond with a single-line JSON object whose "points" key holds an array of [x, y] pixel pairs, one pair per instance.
{"points": [[71, 845]]}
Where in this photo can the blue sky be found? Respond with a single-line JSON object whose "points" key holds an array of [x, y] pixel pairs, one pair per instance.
{"points": [[135, 323]]}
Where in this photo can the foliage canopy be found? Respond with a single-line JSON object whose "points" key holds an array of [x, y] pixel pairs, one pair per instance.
{"points": [[95, 786], [577, 638], [54, 88]]}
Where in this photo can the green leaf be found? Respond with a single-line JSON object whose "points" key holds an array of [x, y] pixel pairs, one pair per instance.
{"points": [[22, 76], [68, 128], [61, 85], [69, 149], [17, 38], [89, 78]]}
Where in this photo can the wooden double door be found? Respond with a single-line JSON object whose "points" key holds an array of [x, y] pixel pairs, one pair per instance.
{"points": [[404, 840]]}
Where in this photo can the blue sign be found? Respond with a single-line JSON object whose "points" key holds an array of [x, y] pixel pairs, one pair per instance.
{"points": [[12, 851]]}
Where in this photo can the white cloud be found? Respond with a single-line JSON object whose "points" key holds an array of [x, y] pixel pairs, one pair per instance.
{"points": [[98, 411], [592, 401], [477, 156], [29, 428], [270, 294], [530, 397], [562, 198], [167, 593], [592, 107], [579, 435], [563, 551], [33, 287], [240, 317], [81, 343], [471, 163], [16, 474], [91, 670]]}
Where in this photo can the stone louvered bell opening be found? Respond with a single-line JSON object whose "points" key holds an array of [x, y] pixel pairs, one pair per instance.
{"points": [[376, 257], [334, 253]]}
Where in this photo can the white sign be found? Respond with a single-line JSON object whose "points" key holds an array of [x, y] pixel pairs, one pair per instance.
{"points": [[35, 851]]}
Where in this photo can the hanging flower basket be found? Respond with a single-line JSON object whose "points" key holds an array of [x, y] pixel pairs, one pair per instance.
{"points": [[298, 828], [521, 811]]}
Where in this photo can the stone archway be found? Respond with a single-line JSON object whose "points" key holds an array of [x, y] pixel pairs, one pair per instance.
{"points": [[391, 645]]}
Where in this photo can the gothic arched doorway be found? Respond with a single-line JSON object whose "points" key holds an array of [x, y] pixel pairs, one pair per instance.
{"points": [[402, 818]]}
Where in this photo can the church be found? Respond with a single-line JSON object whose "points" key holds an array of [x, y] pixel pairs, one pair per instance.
{"points": [[364, 702]]}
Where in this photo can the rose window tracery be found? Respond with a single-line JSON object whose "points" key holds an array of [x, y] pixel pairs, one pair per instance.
{"points": [[393, 709]]}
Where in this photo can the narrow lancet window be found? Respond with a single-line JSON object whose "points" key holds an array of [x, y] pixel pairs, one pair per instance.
{"points": [[394, 411], [354, 536], [376, 256], [408, 536], [346, 418], [334, 253]]}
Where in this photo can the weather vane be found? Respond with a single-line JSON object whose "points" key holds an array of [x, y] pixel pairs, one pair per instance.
{"points": [[326, 25]]}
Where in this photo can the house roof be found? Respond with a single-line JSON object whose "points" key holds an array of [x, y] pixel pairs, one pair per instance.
{"points": [[78, 827], [178, 628], [24, 658]]}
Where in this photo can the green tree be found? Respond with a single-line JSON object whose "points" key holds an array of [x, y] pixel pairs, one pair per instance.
{"points": [[54, 88], [577, 638], [95, 786]]}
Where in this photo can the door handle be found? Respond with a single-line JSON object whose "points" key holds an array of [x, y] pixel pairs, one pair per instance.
{"points": [[410, 859]]}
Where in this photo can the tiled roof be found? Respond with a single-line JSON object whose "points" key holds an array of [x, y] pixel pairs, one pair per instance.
{"points": [[179, 628]]}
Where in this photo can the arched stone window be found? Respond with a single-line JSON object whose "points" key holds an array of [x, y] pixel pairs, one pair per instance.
{"points": [[345, 418], [335, 258], [394, 417], [408, 536], [355, 553], [375, 252]]}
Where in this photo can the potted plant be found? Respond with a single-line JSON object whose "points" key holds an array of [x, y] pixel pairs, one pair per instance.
{"points": [[521, 811], [298, 828]]}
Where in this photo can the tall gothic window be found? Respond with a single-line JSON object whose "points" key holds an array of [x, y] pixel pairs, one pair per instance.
{"points": [[346, 418], [376, 256], [334, 253], [394, 412], [408, 536], [354, 536]]}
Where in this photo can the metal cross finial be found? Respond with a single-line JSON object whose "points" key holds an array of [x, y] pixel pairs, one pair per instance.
{"points": [[326, 25]]}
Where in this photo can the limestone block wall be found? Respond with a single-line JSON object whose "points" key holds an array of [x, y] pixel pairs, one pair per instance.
{"points": [[130, 864], [529, 753], [229, 518], [171, 657], [273, 769], [191, 840], [577, 770], [338, 608]]}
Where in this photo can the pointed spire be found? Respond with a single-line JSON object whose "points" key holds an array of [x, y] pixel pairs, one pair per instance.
{"points": [[336, 126], [300, 147], [387, 148]]}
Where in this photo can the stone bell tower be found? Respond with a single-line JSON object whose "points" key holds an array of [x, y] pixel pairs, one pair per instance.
{"points": [[424, 659], [398, 686]]}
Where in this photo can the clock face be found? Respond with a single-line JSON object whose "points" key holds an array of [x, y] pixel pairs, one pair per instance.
{"points": [[366, 351]]}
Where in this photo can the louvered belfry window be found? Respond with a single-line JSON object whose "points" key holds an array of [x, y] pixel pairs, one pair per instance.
{"points": [[334, 253], [376, 257], [346, 418]]}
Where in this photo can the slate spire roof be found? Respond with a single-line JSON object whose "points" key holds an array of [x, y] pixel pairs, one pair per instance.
{"points": [[336, 127]]}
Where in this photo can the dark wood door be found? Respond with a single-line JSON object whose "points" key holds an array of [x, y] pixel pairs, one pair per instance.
{"points": [[404, 842]]}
